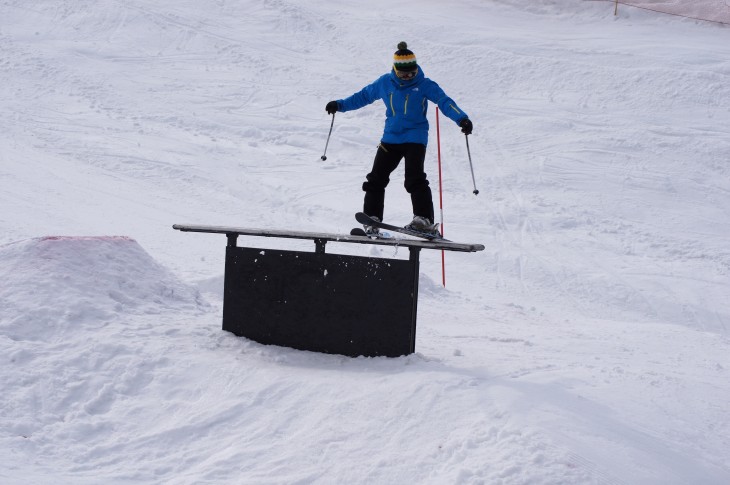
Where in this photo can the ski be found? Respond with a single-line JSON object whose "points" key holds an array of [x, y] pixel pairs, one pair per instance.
{"points": [[357, 231], [365, 219]]}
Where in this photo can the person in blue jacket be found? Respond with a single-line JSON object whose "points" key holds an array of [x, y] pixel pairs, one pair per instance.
{"points": [[405, 91]]}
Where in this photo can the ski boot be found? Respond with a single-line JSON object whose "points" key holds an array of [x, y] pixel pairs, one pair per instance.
{"points": [[372, 231], [424, 225]]}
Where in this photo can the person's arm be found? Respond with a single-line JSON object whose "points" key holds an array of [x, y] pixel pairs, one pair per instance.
{"points": [[364, 97], [448, 106]]}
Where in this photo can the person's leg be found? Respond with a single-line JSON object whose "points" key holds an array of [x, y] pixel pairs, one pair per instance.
{"points": [[386, 160], [416, 182]]}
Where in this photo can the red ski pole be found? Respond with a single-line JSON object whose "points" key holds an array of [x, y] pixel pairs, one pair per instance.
{"points": [[441, 197]]}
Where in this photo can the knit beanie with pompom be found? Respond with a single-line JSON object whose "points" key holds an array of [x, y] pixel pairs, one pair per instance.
{"points": [[404, 59]]}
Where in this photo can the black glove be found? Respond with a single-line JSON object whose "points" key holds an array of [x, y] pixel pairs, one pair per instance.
{"points": [[466, 126], [331, 107]]}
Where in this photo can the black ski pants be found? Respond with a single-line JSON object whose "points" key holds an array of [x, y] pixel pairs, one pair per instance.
{"points": [[386, 160]]}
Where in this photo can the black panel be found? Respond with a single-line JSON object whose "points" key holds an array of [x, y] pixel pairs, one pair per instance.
{"points": [[321, 302]]}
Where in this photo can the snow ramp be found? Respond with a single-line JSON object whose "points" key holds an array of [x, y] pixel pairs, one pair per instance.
{"points": [[51, 284]]}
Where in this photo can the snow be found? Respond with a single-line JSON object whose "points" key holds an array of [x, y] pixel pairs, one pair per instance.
{"points": [[589, 342]]}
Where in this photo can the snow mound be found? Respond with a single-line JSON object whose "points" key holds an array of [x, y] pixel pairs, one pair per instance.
{"points": [[53, 283]]}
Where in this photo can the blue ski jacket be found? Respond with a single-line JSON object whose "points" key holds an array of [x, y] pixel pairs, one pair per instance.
{"points": [[406, 104]]}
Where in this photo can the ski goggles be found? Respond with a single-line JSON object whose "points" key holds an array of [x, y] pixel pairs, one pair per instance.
{"points": [[406, 75]]}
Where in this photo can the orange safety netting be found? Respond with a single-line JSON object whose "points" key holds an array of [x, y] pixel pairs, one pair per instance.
{"points": [[711, 10]]}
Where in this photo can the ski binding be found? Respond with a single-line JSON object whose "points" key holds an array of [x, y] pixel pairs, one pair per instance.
{"points": [[365, 219]]}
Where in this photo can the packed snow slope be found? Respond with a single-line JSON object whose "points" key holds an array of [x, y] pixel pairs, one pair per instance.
{"points": [[589, 343]]}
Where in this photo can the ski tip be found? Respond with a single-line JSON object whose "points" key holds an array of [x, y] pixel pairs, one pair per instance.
{"points": [[362, 218]]}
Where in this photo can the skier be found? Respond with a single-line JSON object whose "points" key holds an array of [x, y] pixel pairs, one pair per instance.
{"points": [[406, 92]]}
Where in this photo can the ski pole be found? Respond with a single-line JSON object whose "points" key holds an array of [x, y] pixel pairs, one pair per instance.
{"points": [[468, 152], [441, 196], [324, 155]]}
